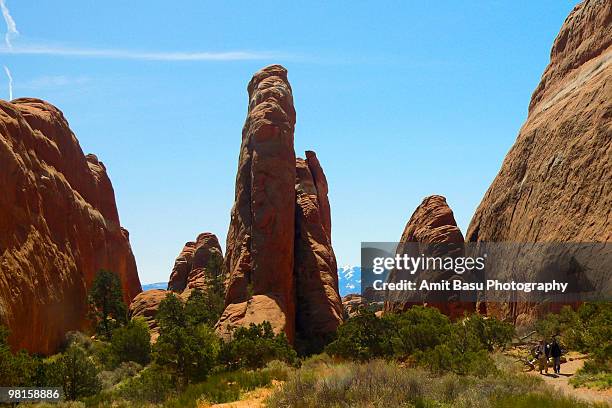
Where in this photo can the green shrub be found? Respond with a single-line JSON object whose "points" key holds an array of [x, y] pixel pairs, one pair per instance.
{"points": [[152, 385], [132, 342], [489, 331], [188, 351], [124, 371], [254, 346], [75, 372], [418, 328], [363, 337]]}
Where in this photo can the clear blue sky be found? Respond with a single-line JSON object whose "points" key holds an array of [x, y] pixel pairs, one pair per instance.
{"points": [[399, 99]]}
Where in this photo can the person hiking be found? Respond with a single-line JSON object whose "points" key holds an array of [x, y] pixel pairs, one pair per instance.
{"points": [[555, 352], [541, 355]]}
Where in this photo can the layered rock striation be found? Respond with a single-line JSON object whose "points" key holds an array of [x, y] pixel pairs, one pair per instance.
{"points": [[554, 184], [59, 224]]}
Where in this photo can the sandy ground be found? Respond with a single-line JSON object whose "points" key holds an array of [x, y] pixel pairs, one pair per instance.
{"points": [[561, 381], [253, 399]]}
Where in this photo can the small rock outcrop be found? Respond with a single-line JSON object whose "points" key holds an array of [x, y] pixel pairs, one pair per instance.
{"points": [[351, 304], [60, 226], [431, 231], [197, 267], [279, 262], [554, 184]]}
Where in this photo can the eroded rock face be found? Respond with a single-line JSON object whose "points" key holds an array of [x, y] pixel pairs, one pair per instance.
{"points": [[260, 241], [59, 224], [319, 307], [279, 263], [554, 184], [198, 264], [145, 306], [351, 304], [432, 231]]}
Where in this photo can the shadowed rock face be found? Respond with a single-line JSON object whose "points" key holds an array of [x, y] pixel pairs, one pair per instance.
{"points": [[319, 307], [279, 262], [260, 241], [197, 267], [431, 223], [59, 226], [554, 184]]}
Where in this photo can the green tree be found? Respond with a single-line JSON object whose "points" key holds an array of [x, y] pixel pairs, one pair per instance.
{"points": [[490, 331], [254, 346], [106, 299], [75, 372], [132, 342], [418, 328], [188, 350], [16, 369], [204, 307], [363, 337]]}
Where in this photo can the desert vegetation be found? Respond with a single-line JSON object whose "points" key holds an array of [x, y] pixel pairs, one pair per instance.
{"points": [[418, 358]]}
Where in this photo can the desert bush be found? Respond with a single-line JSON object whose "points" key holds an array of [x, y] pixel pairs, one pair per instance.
{"points": [[363, 337], [152, 385], [418, 328], [75, 372], [491, 332], [380, 383], [124, 371], [132, 342], [254, 346], [186, 349]]}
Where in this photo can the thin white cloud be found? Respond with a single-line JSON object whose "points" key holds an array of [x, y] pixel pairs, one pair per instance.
{"points": [[136, 55], [11, 27], [53, 81], [10, 81]]}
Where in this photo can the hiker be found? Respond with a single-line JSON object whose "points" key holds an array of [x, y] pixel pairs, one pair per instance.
{"points": [[541, 354], [555, 352]]}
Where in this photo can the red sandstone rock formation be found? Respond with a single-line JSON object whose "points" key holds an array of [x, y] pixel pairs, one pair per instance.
{"points": [[259, 256], [434, 230], [279, 262], [145, 306], [196, 267], [59, 226], [554, 184], [319, 307]]}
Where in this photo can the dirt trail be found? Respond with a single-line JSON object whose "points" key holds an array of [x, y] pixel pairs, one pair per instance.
{"points": [[561, 382], [253, 399]]}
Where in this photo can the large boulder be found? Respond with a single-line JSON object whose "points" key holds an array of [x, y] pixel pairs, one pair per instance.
{"points": [[59, 224], [432, 231], [554, 184], [145, 306]]}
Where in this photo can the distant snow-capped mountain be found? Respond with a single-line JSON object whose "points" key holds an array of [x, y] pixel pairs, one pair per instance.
{"points": [[349, 281]]}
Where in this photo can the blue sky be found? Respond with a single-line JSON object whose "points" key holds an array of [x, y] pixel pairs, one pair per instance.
{"points": [[400, 100]]}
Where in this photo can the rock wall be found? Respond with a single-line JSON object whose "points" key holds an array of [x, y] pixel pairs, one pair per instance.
{"points": [[554, 184], [279, 262], [59, 224]]}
